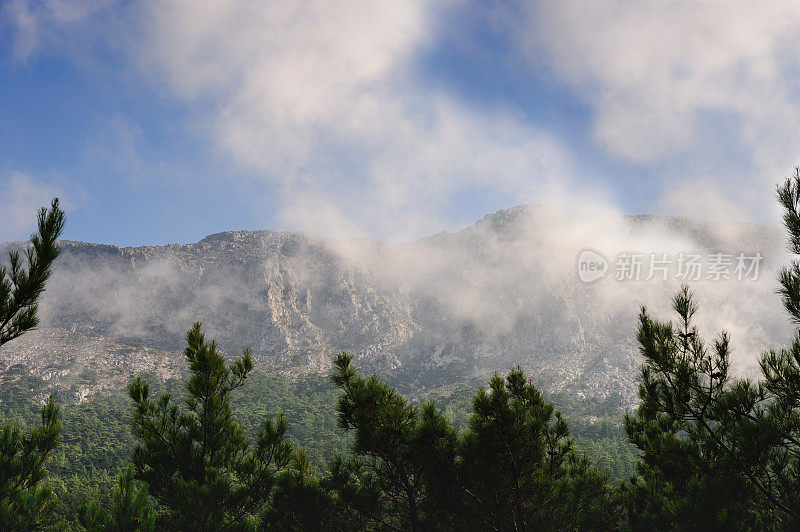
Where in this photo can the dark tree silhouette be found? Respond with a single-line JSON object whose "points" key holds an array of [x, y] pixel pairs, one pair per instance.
{"points": [[25, 502]]}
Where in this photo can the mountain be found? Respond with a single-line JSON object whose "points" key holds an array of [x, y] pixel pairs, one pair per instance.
{"points": [[427, 314]]}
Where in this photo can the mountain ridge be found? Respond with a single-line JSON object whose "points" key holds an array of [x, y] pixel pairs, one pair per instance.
{"points": [[429, 313]]}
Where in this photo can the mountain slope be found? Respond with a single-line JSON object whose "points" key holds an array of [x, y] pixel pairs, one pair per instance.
{"points": [[428, 314]]}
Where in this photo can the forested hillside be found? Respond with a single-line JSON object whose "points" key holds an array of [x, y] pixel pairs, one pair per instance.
{"points": [[97, 439], [209, 446]]}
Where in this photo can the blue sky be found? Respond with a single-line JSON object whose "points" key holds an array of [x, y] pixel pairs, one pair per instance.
{"points": [[161, 122]]}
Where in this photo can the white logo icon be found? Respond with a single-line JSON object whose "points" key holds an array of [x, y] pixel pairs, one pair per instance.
{"points": [[591, 266]]}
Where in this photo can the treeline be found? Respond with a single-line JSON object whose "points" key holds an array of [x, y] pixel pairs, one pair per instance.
{"points": [[97, 440], [714, 452]]}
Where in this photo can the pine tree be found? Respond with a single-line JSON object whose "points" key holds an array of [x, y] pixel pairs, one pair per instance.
{"points": [[519, 469], [698, 466], [131, 511], [384, 425], [357, 500], [718, 452], [197, 462], [300, 502], [20, 287], [25, 503], [513, 469]]}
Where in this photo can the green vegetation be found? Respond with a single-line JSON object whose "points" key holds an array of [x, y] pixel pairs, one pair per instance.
{"points": [[197, 461], [596, 427], [21, 287], [25, 502], [710, 451], [98, 441], [718, 452]]}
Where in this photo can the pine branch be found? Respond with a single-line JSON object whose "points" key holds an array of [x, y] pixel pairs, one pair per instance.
{"points": [[20, 288]]}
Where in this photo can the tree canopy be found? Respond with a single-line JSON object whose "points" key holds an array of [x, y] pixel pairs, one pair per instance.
{"points": [[25, 501]]}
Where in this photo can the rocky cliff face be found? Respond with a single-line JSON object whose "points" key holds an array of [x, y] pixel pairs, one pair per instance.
{"points": [[502, 292]]}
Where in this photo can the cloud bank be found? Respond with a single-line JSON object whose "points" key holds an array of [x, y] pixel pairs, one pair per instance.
{"points": [[21, 195], [330, 104], [711, 84], [325, 100]]}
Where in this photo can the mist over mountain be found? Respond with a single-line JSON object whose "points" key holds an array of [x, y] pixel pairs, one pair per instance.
{"points": [[426, 314]]}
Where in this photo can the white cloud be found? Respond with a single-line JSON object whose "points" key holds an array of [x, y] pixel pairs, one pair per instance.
{"points": [[323, 99], [25, 26], [21, 196], [684, 84], [50, 22], [276, 74], [653, 67]]}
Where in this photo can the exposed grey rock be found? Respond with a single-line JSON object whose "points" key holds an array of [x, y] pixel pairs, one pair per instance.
{"points": [[455, 305]]}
